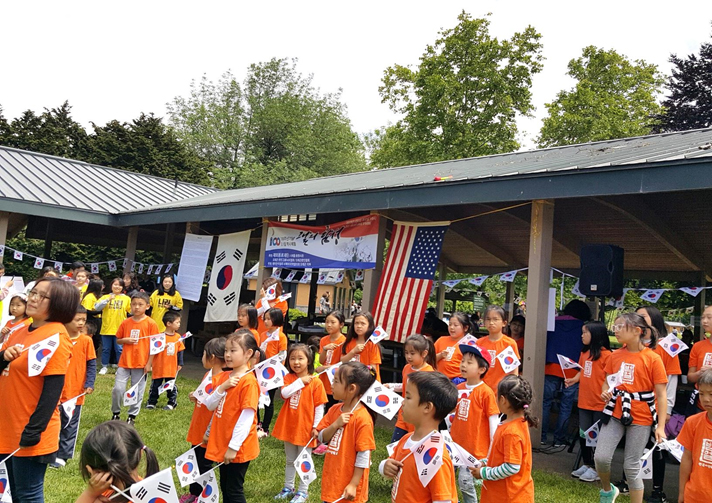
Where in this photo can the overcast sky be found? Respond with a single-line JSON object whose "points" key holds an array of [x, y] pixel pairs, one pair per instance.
{"points": [[114, 60]]}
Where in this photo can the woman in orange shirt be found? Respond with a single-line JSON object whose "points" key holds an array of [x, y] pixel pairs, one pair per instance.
{"points": [[448, 354], [594, 356], [304, 399], [328, 348], [263, 305], [31, 385], [247, 318], [233, 433], [273, 342], [508, 473], [356, 346]]}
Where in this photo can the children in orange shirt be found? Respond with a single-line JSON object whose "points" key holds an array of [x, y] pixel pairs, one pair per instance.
{"points": [[16, 309], [476, 415], [233, 434], [593, 360], [214, 361], [167, 363], [348, 429], [273, 342], [495, 343], [448, 353], [328, 347], [508, 474], [696, 438], [79, 380], [701, 352], [304, 399], [356, 346], [135, 362], [641, 386], [429, 397], [264, 305], [247, 318], [420, 356]]}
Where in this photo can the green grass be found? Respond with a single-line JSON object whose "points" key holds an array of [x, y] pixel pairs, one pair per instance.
{"points": [[165, 431]]}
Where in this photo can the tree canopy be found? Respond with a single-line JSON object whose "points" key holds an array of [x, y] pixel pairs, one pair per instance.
{"points": [[613, 98], [275, 127], [463, 98]]}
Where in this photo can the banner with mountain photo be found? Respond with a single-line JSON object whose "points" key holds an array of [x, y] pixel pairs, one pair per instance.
{"points": [[226, 276]]}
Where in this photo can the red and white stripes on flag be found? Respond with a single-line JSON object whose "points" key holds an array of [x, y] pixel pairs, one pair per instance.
{"points": [[407, 277]]}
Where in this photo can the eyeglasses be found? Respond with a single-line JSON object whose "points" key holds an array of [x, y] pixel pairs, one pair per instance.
{"points": [[34, 294], [618, 328]]}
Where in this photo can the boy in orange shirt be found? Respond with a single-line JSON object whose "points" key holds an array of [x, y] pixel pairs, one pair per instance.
{"points": [[166, 364], [476, 416], [696, 438], [133, 335], [429, 397], [79, 379]]}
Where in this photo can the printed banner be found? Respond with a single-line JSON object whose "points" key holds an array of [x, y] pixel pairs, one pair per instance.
{"points": [[191, 270], [226, 278], [349, 244]]}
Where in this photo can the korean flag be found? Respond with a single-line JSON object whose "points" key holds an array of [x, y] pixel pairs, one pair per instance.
{"points": [[672, 345], [166, 386], [646, 465], [187, 468], [592, 434], [40, 354], [211, 493], [378, 335], [157, 343], [158, 488], [508, 359], [382, 400], [270, 374], [5, 496], [429, 457], [304, 464], [131, 397], [205, 389]]}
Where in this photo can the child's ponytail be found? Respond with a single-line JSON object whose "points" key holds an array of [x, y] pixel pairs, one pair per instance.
{"points": [[152, 465], [422, 343], [360, 375], [518, 393]]}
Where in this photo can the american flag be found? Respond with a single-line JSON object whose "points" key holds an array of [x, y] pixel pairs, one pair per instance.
{"points": [[408, 277]]}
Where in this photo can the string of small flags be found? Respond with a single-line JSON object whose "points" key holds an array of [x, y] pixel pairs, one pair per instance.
{"points": [[331, 277]]}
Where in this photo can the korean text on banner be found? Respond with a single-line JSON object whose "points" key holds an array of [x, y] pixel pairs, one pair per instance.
{"points": [[193, 261], [226, 277], [350, 244]]}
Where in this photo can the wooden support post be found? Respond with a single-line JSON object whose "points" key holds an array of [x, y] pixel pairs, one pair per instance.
{"points": [[131, 248], [700, 301], [540, 244], [168, 240], [48, 240], [442, 276], [372, 277], [509, 300], [4, 223], [313, 292], [261, 269]]}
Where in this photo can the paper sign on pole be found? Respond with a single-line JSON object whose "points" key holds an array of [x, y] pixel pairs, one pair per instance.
{"points": [[193, 261]]}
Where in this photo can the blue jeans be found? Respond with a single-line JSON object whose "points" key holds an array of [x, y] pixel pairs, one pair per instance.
{"points": [[26, 478], [108, 342], [552, 384]]}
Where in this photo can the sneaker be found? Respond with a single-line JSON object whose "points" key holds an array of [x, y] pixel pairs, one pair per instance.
{"points": [[131, 420], [581, 470], [187, 498], [262, 434], [560, 443], [609, 496], [58, 463], [591, 475], [284, 494], [150, 406], [321, 450], [622, 486], [103, 371], [300, 497], [116, 417], [657, 497], [169, 407]]}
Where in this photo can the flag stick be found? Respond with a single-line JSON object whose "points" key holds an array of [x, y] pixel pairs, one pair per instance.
{"points": [[10, 455], [78, 396]]}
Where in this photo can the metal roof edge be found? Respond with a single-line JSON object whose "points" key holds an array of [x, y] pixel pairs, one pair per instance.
{"points": [[56, 212]]}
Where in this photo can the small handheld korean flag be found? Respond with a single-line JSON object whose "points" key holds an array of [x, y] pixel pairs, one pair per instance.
{"points": [[508, 359], [449, 419], [69, 407], [271, 292], [284, 297], [382, 400], [592, 434], [304, 464], [378, 335], [508, 276], [185, 336], [5, 495], [468, 340], [672, 345], [166, 386], [157, 343], [615, 380], [567, 363], [39, 263], [429, 457], [187, 468], [205, 389], [158, 488], [131, 396], [675, 448], [209, 483], [391, 448], [652, 295], [40, 354], [646, 465], [458, 454], [331, 372], [270, 374]]}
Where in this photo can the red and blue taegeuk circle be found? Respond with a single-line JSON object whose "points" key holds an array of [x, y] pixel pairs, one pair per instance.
{"points": [[508, 360], [207, 491], [187, 467], [3, 485], [42, 354], [430, 455], [305, 467], [209, 389], [382, 400], [268, 373], [224, 277], [157, 500], [674, 347]]}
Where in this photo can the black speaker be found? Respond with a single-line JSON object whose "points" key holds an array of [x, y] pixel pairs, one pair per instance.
{"points": [[601, 271]]}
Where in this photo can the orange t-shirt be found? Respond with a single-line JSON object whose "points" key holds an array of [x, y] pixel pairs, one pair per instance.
{"points": [[671, 363], [449, 366], [282, 306], [11, 324], [701, 354], [496, 372], [82, 352], [20, 393], [273, 348], [511, 444], [135, 356], [256, 335], [340, 458], [470, 426], [371, 355], [201, 414], [407, 487], [329, 359], [243, 396], [696, 437], [407, 370], [641, 372], [593, 374], [165, 363], [296, 417]]}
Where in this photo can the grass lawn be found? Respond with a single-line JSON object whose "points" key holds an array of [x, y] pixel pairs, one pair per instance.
{"points": [[165, 431]]}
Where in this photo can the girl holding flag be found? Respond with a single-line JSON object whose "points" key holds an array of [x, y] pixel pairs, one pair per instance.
{"points": [[357, 347], [273, 342], [33, 364], [329, 349], [270, 298], [448, 354]]}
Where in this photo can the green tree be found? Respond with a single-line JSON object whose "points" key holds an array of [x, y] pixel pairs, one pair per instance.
{"points": [[275, 127], [613, 98], [463, 98]]}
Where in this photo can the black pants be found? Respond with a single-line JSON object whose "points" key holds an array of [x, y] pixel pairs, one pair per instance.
{"points": [[269, 411], [203, 465], [68, 433], [232, 480], [172, 393]]}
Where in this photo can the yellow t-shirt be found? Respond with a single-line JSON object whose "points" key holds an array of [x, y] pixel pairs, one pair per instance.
{"points": [[162, 303], [83, 288], [114, 313], [88, 303]]}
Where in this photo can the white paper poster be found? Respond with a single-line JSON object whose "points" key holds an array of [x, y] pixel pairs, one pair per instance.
{"points": [[226, 278], [551, 319], [193, 261]]}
